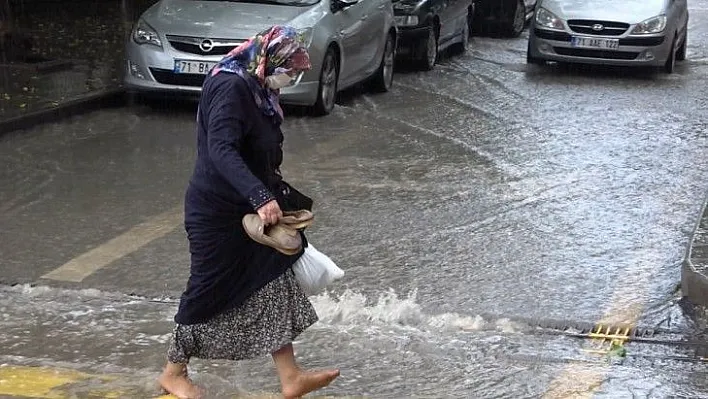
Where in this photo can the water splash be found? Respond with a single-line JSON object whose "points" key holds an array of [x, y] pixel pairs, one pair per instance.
{"points": [[391, 310], [345, 310]]}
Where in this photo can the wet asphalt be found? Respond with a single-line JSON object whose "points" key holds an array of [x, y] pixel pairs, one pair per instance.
{"points": [[469, 198]]}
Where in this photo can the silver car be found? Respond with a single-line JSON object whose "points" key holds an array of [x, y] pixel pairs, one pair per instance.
{"points": [[629, 32], [175, 42]]}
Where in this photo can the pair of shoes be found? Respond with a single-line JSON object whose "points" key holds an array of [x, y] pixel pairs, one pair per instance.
{"points": [[298, 219], [284, 236]]}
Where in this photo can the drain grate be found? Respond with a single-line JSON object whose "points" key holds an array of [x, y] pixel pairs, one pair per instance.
{"points": [[607, 339]]}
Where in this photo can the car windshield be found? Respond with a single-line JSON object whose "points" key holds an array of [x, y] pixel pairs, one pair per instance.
{"points": [[298, 3]]}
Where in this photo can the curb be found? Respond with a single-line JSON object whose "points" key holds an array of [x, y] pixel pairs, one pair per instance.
{"points": [[694, 280], [78, 105]]}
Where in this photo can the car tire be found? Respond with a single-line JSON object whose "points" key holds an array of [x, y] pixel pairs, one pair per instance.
{"points": [[670, 64], [464, 44], [383, 79], [327, 89], [429, 49], [516, 20], [681, 53]]}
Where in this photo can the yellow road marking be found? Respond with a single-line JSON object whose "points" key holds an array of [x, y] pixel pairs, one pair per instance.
{"points": [[51, 383], [582, 380], [77, 269], [35, 382]]}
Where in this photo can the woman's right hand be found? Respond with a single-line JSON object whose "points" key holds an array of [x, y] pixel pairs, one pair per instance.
{"points": [[270, 213]]}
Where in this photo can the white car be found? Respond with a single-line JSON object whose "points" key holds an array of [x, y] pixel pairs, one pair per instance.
{"points": [[628, 32], [176, 42]]}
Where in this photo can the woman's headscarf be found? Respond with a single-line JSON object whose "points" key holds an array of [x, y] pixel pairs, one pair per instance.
{"points": [[276, 50]]}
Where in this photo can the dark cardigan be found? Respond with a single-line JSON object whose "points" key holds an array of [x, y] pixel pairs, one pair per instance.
{"points": [[239, 152]]}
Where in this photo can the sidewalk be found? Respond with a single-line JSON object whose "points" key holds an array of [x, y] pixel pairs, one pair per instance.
{"points": [[694, 275], [76, 56]]}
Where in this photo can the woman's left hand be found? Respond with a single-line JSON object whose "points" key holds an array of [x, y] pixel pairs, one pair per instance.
{"points": [[270, 213]]}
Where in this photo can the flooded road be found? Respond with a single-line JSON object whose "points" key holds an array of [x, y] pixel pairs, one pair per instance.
{"points": [[464, 205]]}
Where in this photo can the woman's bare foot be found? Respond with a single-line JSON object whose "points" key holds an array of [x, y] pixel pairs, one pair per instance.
{"points": [[175, 381], [304, 382]]}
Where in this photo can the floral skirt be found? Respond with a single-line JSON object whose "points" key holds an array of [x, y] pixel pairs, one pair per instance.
{"points": [[270, 319]]}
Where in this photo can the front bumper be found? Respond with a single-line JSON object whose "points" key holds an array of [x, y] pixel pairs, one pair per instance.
{"points": [[149, 69], [633, 50]]}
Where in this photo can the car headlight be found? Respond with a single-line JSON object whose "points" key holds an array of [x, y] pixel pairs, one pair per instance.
{"points": [[305, 36], [652, 25], [548, 20], [406, 20], [145, 34]]}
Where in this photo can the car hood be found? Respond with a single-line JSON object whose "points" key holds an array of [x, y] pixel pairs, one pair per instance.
{"points": [[224, 19], [629, 11]]}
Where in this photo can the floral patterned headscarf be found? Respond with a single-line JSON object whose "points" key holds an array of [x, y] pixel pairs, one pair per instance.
{"points": [[279, 49]]}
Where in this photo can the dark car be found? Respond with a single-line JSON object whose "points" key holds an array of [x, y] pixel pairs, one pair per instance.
{"points": [[507, 17], [427, 27]]}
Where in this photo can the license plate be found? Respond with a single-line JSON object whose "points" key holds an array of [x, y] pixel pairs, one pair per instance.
{"points": [[592, 42], [193, 67]]}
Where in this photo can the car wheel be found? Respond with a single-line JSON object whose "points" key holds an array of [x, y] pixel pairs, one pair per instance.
{"points": [[516, 20], [464, 43], [681, 53], [327, 91], [383, 80], [670, 65], [429, 49]]}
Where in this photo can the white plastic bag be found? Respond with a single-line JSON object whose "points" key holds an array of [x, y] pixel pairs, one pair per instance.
{"points": [[314, 271]]}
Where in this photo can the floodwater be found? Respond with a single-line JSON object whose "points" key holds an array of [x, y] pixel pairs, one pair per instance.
{"points": [[467, 206]]}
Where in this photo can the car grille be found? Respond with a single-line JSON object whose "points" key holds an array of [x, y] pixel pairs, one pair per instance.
{"points": [[604, 54], [588, 27], [168, 77], [193, 45]]}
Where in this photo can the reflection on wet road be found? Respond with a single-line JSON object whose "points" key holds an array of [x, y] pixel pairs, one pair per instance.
{"points": [[468, 199]]}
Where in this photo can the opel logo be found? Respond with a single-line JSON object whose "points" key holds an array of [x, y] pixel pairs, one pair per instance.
{"points": [[598, 27], [206, 45]]}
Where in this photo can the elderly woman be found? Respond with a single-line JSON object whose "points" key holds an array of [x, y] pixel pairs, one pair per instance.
{"points": [[242, 299]]}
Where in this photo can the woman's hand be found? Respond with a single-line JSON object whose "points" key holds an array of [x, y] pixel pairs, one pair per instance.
{"points": [[270, 213]]}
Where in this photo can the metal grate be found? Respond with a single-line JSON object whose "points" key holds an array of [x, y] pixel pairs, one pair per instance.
{"points": [[202, 46], [600, 28]]}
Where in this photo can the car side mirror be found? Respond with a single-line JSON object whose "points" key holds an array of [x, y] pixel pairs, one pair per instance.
{"points": [[339, 5]]}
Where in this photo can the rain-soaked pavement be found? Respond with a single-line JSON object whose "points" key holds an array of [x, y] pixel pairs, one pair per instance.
{"points": [[466, 202]]}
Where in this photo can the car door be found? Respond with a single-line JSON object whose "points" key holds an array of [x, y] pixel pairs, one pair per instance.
{"points": [[462, 8], [446, 10], [375, 41], [350, 23]]}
